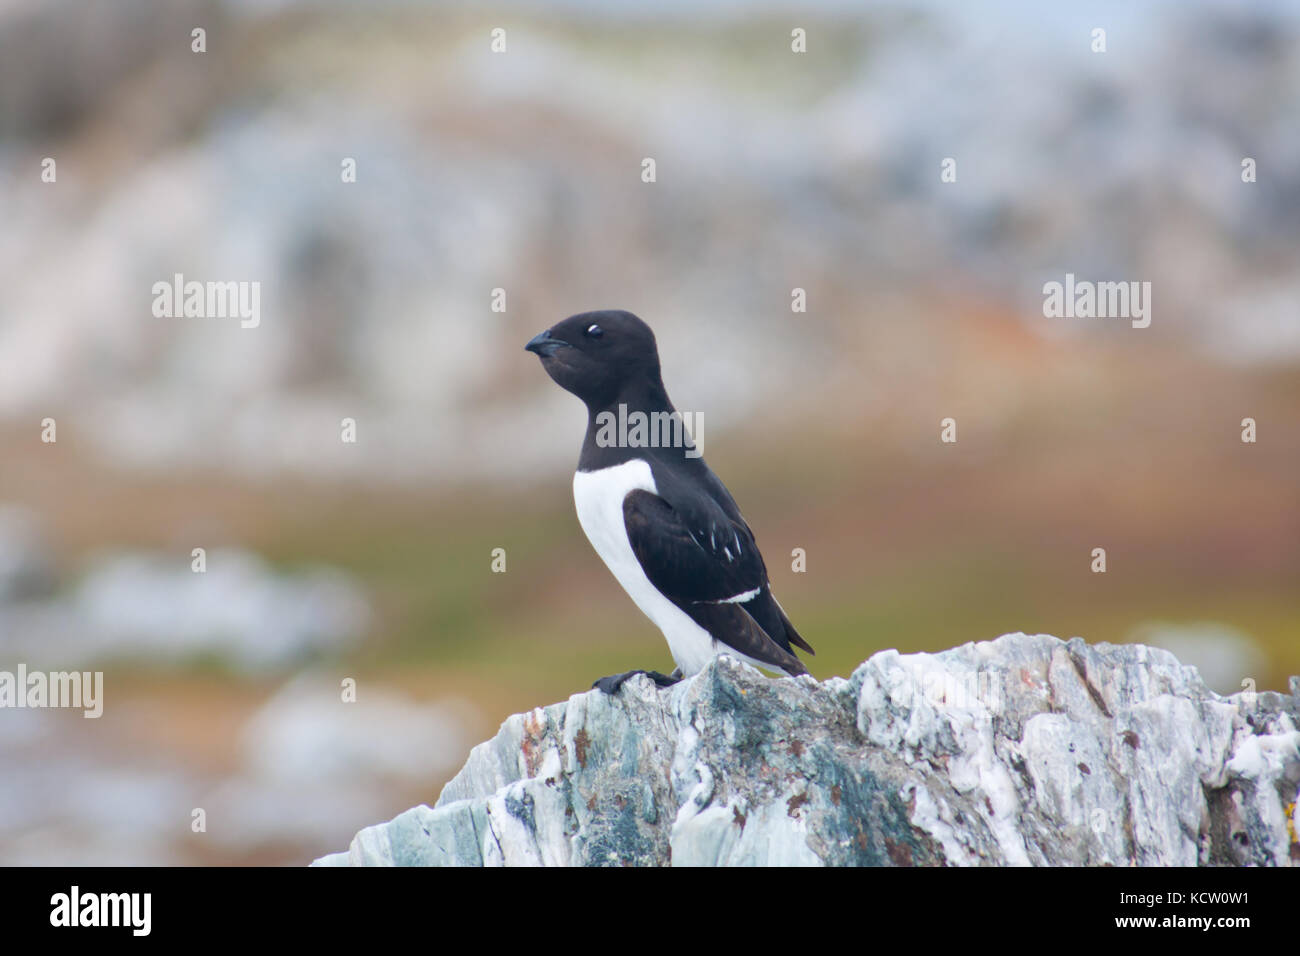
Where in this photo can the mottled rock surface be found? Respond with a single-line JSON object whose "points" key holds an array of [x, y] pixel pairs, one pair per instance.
{"points": [[1023, 750]]}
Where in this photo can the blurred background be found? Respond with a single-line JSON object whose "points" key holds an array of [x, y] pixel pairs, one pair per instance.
{"points": [[521, 170]]}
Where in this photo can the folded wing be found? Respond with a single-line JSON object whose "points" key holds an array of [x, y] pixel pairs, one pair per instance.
{"points": [[707, 564]]}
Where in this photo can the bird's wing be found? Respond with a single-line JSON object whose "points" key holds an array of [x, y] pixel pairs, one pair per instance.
{"points": [[767, 611], [709, 566]]}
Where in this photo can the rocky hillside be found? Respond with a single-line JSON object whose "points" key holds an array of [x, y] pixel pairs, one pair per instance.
{"points": [[1025, 750]]}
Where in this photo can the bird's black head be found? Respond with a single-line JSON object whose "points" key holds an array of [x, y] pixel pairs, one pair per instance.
{"points": [[600, 356]]}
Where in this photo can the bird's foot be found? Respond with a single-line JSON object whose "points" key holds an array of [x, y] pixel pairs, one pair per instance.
{"points": [[611, 684]]}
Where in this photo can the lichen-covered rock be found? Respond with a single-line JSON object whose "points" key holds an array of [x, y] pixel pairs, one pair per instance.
{"points": [[1022, 750]]}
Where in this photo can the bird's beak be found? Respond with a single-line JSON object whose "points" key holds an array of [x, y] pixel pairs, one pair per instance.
{"points": [[544, 345]]}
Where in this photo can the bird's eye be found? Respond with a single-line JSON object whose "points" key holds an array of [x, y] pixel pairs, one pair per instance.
{"points": [[594, 331]]}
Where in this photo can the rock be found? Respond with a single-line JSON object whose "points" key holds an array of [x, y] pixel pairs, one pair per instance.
{"points": [[1225, 657], [1026, 750]]}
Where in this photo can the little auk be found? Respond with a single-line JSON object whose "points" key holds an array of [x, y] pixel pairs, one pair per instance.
{"points": [[662, 522]]}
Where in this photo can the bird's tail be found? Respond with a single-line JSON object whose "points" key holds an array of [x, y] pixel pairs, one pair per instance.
{"points": [[791, 634]]}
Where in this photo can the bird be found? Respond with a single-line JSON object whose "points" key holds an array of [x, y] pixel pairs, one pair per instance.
{"points": [[661, 520]]}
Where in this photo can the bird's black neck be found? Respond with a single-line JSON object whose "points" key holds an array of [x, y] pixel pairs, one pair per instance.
{"points": [[646, 396]]}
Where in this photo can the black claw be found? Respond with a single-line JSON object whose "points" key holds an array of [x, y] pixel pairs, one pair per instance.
{"points": [[611, 684]]}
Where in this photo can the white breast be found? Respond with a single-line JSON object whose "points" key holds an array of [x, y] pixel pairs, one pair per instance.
{"points": [[599, 498]]}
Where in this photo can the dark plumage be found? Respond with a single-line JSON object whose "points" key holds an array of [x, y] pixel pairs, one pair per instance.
{"points": [[659, 517]]}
